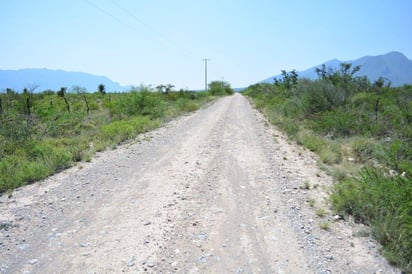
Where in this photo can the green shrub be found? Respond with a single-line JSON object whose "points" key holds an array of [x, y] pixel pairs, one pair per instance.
{"points": [[365, 149], [309, 140], [320, 96], [342, 115], [292, 107], [287, 124], [315, 102], [382, 201], [39, 162], [16, 128], [219, 88], [54, 158], [119, 131], [137, 103], [330, 153], [8, 173], [186, 105], [172, 96], [397, 155], [336, 123]]}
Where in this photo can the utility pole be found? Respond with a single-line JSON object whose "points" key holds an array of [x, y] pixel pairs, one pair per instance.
{"points": [[206, 60]]}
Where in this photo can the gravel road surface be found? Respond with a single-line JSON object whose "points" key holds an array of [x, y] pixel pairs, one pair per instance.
{"points": [[216, 191]]}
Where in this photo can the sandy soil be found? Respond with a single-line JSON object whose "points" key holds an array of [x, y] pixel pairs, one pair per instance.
{"points": [[217, 191]]}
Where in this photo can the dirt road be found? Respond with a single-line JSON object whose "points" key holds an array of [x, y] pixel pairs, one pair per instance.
{"points": [[218, 191]]}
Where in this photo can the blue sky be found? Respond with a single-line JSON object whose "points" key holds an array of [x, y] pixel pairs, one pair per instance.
{"points": [[156, 42]]}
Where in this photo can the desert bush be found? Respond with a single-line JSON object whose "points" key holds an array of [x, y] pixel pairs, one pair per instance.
{"points": [[330, 153], [341, 115], [137, 103], [35, 162], [364, 149], [382, 201], [292, 106], [186, 105], [320, 96], [309, 140], [120, 131], [219, 88]]}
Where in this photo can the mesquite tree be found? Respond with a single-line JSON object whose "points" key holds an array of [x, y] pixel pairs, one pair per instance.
{"points": [[62, 93]]}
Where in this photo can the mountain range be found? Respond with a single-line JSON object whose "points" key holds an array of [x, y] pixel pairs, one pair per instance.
{"points": [[394, 66], [46, 79]]}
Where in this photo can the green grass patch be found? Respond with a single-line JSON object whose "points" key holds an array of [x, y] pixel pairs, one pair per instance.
{"points": [[120, 131], [383, 202], [43, 133], [310, 140], [40, 161]]}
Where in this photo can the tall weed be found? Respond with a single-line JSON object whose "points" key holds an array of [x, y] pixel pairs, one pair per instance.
{"points": [[384, 202]]}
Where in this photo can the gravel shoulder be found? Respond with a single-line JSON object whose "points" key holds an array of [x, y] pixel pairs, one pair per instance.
{"points": [[216, 191]]}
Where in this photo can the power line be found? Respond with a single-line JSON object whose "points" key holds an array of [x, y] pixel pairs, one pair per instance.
{"points": [[164, 39], [136, 18], [155, 34], [104, 11], [160, 37], [109, 14]]}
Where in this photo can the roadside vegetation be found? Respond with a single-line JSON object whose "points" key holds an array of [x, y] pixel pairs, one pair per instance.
{"points": [[43, 133], [362, 132]]}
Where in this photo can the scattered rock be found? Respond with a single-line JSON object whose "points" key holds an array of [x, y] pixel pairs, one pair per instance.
{"points": [[202, 236], [19, 218], [147, 222], [203, 259], [132, 261], [337, 217], [33, 261], [22, 246]]}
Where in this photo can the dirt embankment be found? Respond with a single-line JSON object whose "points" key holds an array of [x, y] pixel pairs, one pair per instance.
{"points": [[218, 191]]}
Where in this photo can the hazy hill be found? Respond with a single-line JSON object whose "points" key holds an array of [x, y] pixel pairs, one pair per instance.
{"points": [[394, 66], [53, 79]]}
